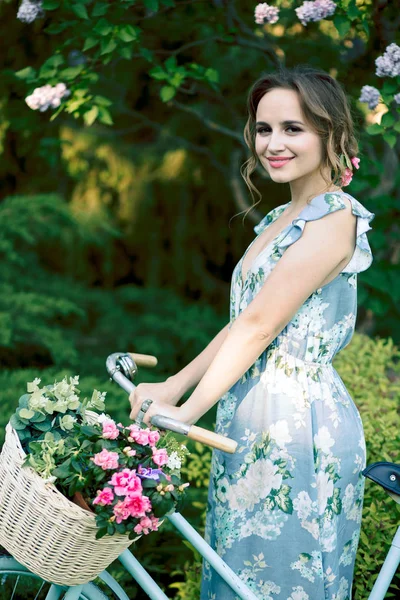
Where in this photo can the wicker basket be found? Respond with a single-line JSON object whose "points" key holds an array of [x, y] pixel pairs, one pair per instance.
{"points": [[45, 531]]}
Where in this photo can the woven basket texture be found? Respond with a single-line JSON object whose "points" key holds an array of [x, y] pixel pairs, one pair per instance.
{"points": [[45, 531]]}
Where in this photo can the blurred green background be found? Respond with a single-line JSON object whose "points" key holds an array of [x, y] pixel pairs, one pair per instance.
{"points": [[116, 229]]}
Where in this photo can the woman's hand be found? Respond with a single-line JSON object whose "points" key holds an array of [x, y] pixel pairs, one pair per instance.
{"points": [[159, 408], [165, 394]]}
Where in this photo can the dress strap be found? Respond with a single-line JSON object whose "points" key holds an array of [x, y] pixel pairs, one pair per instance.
{"points": [[325, 204]]}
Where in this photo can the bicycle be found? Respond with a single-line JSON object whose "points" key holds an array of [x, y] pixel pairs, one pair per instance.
{"points": [[122, 368]]}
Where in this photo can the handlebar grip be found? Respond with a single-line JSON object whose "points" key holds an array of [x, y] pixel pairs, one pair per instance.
{"points": [[215, 440], [143, 360]]}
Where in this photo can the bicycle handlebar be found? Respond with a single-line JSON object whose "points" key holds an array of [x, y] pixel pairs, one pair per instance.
{"points": [[123, 361]]}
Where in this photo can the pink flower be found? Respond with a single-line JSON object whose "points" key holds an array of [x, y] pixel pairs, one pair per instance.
{"points": [[121, 511], [154, 436], [137, 505], [355, 161], [134, 486], [110, 430], [160, 456], [140, 436], [147, 524], [126, 483], [347, 176], [104, 497], [106, 460], [120, 481]]}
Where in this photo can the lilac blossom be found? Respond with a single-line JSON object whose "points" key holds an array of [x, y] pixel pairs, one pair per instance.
{"points": [[30, 10], [370, 95], [47, 96], [315, 11], [389, 64], [149, 473], [266, 14], [397, 98]]}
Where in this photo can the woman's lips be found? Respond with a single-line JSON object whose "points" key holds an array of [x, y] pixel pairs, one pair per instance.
{"points": [[276, 164]]}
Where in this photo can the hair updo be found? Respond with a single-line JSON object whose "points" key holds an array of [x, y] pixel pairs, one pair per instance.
{"points": [[325, 107]]}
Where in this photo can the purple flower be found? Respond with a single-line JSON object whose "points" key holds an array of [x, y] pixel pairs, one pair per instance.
{"points": [[370, 95], [148, 473], [315, 11], [266, 14], [397, 98], [389, 63]]}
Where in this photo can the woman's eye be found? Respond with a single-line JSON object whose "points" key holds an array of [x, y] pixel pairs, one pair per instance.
{"points": [[266, 129]]}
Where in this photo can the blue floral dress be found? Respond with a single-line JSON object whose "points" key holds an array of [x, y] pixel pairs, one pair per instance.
{"points": [[284, 511]]}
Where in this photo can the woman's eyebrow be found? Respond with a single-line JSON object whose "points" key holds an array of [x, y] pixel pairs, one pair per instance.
{"points": [[281, 123]]}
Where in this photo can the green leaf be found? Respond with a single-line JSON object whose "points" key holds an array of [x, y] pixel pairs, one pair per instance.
{"points": [[17, 423], [387, 120], [50, 4], [353, 12], [396, 126], [105, 116], [342, 24], [170, 64], [55, 61], [91, 115], [147, 54], [390, 87], [284, 503], [71, 73], [90, 42], [374, 129], [390, 138], [45, 426], [212, 75], [23, 402], [167, 92], [158, 73], [101, 533], [102, 101], [125, 52], [103, 27], [27, 73], [26, 413], [127, 33], [99, 9], [107, 46], [80, 11]]}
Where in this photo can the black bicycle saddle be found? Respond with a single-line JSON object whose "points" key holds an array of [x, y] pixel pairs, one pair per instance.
{"points": [[386, 474]]}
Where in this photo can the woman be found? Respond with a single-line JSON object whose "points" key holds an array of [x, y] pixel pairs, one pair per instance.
{"points": [[285, 510]]}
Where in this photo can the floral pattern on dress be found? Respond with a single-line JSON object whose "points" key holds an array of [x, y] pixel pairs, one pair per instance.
{"points": [[284, 511]]}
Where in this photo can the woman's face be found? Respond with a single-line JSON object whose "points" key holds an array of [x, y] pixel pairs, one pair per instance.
{"points": [[278, 138]]}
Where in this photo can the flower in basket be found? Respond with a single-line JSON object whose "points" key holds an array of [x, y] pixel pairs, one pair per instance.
{"points": [[129, 476]]}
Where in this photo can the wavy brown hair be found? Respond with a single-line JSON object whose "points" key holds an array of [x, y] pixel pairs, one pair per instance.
{"points": [[325, 107]]}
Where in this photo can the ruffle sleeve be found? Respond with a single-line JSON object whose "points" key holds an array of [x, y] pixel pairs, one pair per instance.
{"points": [[325, 204]]}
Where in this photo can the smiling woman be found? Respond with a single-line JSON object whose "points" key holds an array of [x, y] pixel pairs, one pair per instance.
{"points": [[284, 511]]}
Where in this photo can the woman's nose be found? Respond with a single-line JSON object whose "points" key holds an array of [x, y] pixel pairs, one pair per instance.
{"points": [[276, 142]]}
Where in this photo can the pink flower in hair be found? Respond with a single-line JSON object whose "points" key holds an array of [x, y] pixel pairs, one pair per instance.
{"points": [[355, 161], [347, 177]]}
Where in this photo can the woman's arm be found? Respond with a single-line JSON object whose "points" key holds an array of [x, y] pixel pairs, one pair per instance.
{"points": [[324, 246], [190, 375]]}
